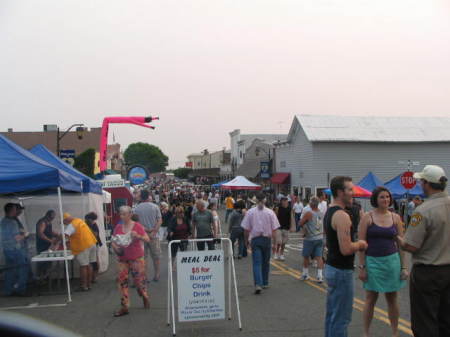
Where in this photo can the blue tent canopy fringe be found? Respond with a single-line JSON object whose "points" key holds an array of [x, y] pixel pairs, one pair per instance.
{"points": [[219, 184], [370, 182], [89, 185], [22, 171], [399, 192]]}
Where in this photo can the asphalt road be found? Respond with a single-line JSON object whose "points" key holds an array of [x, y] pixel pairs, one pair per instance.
{"points": [[290, 307]]}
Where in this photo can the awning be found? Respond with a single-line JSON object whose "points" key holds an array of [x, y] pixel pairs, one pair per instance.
{"points": [[280, 178]]}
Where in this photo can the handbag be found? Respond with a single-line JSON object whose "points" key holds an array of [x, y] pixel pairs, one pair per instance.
{"points": [[122, 241]]}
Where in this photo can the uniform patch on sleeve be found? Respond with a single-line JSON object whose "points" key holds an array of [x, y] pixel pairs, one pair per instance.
{"points": [[416, 219]]}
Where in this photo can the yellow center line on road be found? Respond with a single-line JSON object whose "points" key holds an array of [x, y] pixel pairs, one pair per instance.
{"points": [[358, 304], [315, 285]]}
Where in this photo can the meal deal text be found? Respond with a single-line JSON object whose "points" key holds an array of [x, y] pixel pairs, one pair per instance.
{"points": [[201, 285]]}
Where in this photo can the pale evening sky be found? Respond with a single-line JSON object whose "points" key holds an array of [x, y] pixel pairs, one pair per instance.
{"points": [[207, 67]]}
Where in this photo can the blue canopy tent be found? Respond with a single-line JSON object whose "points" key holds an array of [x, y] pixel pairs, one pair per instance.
{"points": [[370, 182], [22, 171], [399, 192], [219, 184], [89, 185]]}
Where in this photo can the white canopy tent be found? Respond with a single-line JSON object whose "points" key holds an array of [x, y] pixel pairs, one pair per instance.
{"points": [[240, 183], [77, 204]]}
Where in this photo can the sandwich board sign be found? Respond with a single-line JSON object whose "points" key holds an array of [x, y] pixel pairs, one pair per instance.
{"points": [[201, 285]]}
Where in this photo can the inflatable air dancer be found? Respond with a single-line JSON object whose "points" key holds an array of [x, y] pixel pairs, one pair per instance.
{"points": [[141, 121]]}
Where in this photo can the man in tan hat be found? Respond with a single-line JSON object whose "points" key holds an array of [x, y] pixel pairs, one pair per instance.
{"points": [[428, 239], [83, 246]]}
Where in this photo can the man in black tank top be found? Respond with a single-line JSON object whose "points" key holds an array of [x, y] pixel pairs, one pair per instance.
{"points": [[341, 254]]}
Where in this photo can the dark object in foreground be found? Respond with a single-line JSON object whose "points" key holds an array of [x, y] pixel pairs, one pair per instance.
{"points": [[17, 325]]}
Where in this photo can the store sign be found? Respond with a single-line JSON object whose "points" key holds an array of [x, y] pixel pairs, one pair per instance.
{"points": [[265, 169], [138, 175], [68, 156], [112, 183], [201, 285]]}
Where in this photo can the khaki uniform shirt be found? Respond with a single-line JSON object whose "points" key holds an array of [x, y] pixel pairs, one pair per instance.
{"points": [[429, 231]]}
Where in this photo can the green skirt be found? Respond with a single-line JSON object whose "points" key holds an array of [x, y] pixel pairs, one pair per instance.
{"points": [[383, 274]]}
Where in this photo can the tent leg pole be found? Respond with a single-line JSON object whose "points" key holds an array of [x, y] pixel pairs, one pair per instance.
{"points": [[69, 297], [230, 257], [169, 270], [236, 290]]}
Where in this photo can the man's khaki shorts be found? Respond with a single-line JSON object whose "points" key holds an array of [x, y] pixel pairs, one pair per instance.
{"points": [[153, 248], [87, 256], [281, 236]]}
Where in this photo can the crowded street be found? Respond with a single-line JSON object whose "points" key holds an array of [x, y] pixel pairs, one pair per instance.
{"points": [[290, 307], [217, 168]]}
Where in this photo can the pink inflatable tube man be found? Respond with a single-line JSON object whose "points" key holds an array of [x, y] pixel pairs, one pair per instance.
{"points": [[141, 121]]}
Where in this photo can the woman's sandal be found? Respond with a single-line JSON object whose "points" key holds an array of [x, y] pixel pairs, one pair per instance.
{"points": [[121, 312]]}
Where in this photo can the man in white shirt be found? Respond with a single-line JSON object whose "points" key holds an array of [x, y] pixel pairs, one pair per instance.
{"points": [[323, 205], [297, 208]]}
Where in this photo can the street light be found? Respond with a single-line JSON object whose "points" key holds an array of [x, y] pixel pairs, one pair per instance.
{"points": [[79, 130]]}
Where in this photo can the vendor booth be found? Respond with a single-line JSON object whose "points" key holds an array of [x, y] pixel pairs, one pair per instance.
{"points": [[120, 196], [90, 200], [240, 183], [23, 175]]}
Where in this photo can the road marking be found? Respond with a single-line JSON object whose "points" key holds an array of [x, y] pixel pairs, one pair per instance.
{"points": [[358, 304], [357, 300]]}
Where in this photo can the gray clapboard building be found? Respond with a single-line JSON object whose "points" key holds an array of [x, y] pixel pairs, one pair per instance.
{"points": [[319, 147]]}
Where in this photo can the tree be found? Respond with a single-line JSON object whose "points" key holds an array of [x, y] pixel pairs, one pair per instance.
{"points": [[182, 172], [85, 162], [147, 155]]}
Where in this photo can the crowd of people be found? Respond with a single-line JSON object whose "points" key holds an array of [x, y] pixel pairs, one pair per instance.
{"points": [[333, 236]]}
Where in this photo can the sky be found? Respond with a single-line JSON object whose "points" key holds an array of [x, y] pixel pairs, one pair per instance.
{"points": [[207, 67]]}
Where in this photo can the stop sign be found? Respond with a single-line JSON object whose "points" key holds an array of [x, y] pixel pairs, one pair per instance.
{"points": [[407, 180]]}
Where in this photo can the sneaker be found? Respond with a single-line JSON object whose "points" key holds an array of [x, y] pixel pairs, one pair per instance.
{"points": [[282, 258], [320, 279], [266, 286], [258, 290], [305, 277], [276, 257]]}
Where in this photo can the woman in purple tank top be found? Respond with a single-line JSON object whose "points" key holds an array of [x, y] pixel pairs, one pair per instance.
{"points": [[382, 266]]}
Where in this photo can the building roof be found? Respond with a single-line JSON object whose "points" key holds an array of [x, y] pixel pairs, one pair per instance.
{"points": [[269, 138], [338, 128], [91, 139]]}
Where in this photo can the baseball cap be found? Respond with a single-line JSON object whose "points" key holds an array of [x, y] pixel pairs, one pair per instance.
{"points": [[431, 173], [66, 216]]}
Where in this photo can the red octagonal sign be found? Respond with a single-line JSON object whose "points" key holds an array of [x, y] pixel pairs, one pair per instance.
{"points": [[407, 180]]}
